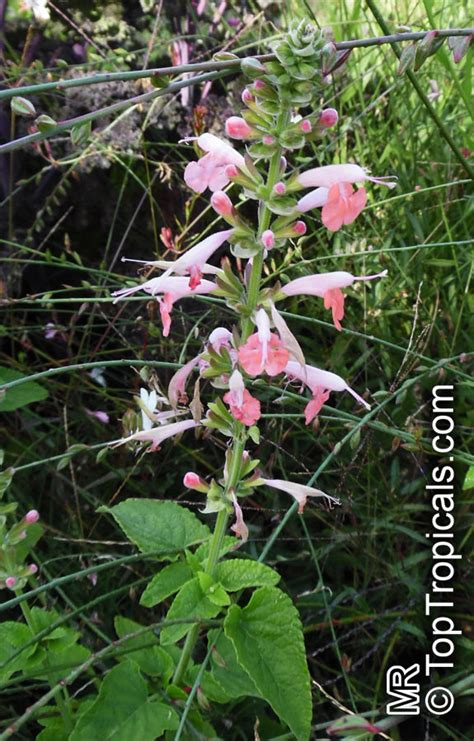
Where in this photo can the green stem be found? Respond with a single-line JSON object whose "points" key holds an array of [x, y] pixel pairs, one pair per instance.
{"points": [[215, 547], [443, 130]]}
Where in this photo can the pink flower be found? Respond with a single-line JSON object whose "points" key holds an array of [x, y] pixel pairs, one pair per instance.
{"points": [[343, 206], [193, 262], [33, 569], [329, 175], [99, 415], [264, 350], [220, 337], [247, 96], [340, 204], [177, 385], [239, 527], [10, 581], [328, 287], [238, 128], [305, 126], [209, 170], [299, 492], [222, 204], [268, 239], [243, 406], [320, 383], [279, 188], [328, 118], [32, 516], [171, 289], [158, 434], [180, 55], [193, 481]]}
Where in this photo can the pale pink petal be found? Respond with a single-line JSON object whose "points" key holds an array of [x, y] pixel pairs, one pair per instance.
{"points": [[177, 385], [251, 356], [314, 199], [158, 434], [299, 491], [312, 409], [334, 299], [239, 527], [193, 177]]}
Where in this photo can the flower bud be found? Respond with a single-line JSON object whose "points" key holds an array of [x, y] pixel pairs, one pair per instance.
{"points": [[299, 228], [283, 164], [221, 203], [237, 128], [279, 188], [32, 516], [268, 239], [259, 84], [10, 582], [231, 171], [268, 139], [247, 96], [193, 481], [329, 117], [305, 126], [33, 569]]}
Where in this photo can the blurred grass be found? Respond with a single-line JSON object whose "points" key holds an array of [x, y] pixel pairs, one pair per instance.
{"points": [[358, 574]]}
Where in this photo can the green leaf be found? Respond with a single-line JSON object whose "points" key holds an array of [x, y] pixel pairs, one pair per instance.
{"points": [[152, 660], [12, 636], [123, 710], [189, 602], [268, 639], [240, 573], [158, 526], [469, 480], [166, 582], [19, 396], [80, 133], [6, 477], [227, 672]]}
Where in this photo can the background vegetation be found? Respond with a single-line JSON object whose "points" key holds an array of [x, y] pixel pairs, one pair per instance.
{"points": [[70, 212]]}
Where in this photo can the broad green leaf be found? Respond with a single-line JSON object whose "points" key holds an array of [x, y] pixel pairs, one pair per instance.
{"points": [[268, 640], [60, 638], [153, 525], [240, 573], [152, 660], [19, 396], [229, 675], [12, 637], [123, 710], [189, 602], [469, 480], [166, 582]]}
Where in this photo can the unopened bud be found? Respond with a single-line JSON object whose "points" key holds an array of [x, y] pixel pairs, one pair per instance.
{"points": [[259, 84], [329, 117], [32, 516], [299, 228], [247, 96], [221, 203], [237, 128], [231, 171], [279, 188], [33, 569], [268, 139], [305, 126], [10, 582], [193, 481], [268, 239], [283, 164]]}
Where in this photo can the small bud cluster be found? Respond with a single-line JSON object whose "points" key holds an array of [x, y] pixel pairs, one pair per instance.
{"points": [[13, 571]]}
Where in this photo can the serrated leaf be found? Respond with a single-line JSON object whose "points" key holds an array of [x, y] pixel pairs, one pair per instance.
{"points": [[13, 636], [166, 582], [268, 639], [123, 710], [240, 573], [153, 525], [152, 659], [19, 396], [234, 680], [189, 602]]}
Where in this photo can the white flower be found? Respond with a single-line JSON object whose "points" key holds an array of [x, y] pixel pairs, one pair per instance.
{"points": [[39, 8]]}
